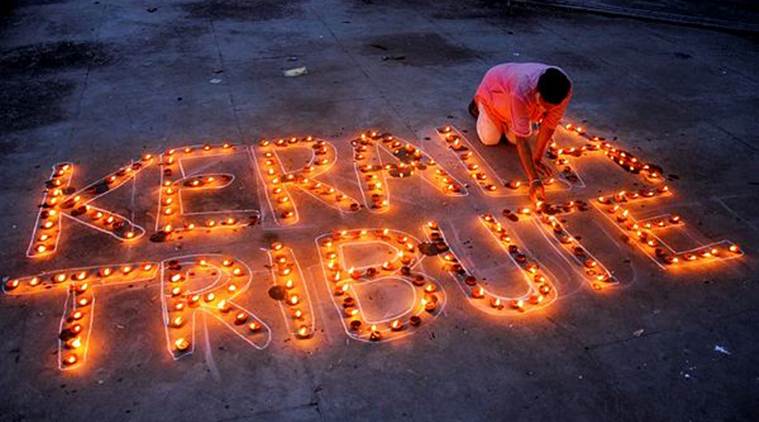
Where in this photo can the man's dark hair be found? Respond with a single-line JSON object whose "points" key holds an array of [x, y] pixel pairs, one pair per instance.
{"points": [[554, 85]]}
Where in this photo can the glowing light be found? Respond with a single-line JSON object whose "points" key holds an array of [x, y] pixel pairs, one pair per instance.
{"points": [[492, 303], [656, 248], [409, 160], [70, 360], [181, 344], [280, 183], [174, 221], [400, 267], [286, 272]]}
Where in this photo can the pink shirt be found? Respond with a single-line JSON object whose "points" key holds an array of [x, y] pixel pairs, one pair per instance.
{"points": [[508, 93]]}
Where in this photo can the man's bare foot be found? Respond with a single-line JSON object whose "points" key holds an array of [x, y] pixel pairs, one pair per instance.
{"points": [[473, 110]]}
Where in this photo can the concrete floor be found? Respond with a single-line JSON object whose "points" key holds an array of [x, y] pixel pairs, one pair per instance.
{"points": [[100, 82]]}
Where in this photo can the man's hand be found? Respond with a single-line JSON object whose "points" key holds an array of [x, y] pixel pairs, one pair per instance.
{"points": [[543, 169], [537, 191]]}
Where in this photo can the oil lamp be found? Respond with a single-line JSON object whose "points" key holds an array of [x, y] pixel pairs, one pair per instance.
{"points": [[303, 332], [74, 343], [223, 306], [496, 303], [241, 318], [375, 334], [429, 302], [415, 320], [181, 344], [177, 321], [355, 274], [514, 184], [478, 292], [518, 304], [70, 359]]}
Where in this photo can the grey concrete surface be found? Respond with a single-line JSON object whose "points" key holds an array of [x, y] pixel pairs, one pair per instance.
{"points": [[100, 82], [734, 15]]}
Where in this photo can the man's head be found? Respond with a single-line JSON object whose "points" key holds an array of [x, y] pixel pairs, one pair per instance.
{"points": [[553, 86]]}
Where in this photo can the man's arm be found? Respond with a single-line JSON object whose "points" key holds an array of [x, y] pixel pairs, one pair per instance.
{"points": [[537, 192], [544, 137], [547, 128]]}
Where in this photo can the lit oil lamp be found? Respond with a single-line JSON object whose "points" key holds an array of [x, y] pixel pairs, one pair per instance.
{"points": [[375, 335], [12, 284], [74, 343], [514, 184], [303, 332], [177, 322], [518, 304], [70, 359], [223, 306], [181, 344], [241, 318], [429, 302]]}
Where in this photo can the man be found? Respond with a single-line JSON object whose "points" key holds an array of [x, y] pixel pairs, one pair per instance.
{"points": [[511, 99]]}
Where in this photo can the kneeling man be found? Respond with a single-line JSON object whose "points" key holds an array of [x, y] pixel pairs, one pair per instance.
{"points": [[511, 100]]}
